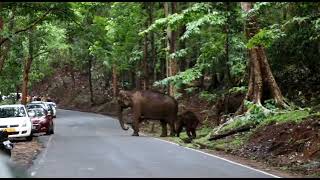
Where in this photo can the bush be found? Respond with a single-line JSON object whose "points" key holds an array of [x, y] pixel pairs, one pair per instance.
{"points": [[205, 95]]}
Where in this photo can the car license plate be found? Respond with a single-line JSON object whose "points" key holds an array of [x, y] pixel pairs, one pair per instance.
{"points": [[10, 129]]}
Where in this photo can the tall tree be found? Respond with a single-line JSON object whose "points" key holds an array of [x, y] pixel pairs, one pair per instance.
{"points": [[172, 65], [145, 75], [262, 84], [27, 67]]}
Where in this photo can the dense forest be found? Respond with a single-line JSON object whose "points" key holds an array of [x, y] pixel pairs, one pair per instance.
{"points": [[239, 66]]}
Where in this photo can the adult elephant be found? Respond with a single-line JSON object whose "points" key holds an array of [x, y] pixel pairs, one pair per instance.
{"points": [[149, 105]]}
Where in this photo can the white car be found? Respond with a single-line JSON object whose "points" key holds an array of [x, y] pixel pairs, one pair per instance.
{"points": [[54, 108], [16, 121]]}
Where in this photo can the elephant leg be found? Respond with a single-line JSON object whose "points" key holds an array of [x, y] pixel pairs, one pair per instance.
{"points": [[179, 129], [135, 128], [135, 122], [194, 135], [164, 129], [172, 129], [188, 132]]}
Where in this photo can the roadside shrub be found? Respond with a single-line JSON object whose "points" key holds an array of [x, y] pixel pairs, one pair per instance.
{"points": [[207, 96], [241, 89]]}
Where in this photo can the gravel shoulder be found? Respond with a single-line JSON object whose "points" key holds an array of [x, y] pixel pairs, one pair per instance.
{"points": [[24, 152]]}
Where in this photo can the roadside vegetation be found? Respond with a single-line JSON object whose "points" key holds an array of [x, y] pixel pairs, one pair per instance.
{"points": [[249, 71]]}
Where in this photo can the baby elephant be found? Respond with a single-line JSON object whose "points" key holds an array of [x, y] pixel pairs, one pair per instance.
{"points": [[188, 120]]}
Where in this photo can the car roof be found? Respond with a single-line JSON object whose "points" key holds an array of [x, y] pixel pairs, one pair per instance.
{"points": [[37, 102], [36, 109], [12, 105], [50, 102]]}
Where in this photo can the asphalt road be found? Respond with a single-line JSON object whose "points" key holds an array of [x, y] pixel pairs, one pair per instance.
{"points": [[87, 145]]}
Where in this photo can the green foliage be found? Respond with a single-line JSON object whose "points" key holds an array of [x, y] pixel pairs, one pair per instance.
{"points": [[241, 89], [9, 100], [213, 18], [174, 20], [265, 37], [191, 90], [237, 59], [205, 95], [185, 77], [287, 116]]}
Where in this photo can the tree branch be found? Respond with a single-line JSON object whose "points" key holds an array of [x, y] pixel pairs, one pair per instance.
{"points": [[43, 52], [27, 28]]}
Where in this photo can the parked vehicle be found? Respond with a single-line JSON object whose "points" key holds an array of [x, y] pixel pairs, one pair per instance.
{"points": [[37, 104], [16, 121], [5, 144], [53, 107], [42, 121]]}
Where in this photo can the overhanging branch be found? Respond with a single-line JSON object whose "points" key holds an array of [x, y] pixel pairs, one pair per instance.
{"points": [[28, 27]]}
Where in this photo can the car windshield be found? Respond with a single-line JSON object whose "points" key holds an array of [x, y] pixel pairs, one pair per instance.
{"points": [[38, 112], [32, 106], [8, 112], [51, 106]]}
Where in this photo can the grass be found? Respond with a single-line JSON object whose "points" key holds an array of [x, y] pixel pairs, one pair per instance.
{"points": [[296, 116], [264, 120], [202, 142]]}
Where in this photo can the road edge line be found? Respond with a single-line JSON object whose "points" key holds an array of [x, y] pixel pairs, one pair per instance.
{"points": [[220, 158]]}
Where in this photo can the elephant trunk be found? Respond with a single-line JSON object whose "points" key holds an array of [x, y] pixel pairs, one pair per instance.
{"points": [[121, 120]]}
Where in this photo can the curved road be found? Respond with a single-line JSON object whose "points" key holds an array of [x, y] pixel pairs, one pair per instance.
{"points": [[91, 146]]}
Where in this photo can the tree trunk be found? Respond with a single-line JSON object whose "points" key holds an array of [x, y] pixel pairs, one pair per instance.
{"points": [[243, 128], [2, 51], [172, 65], [26, 69], [182, 45], [132, 79], [262, 84], [114, 81], [145, 60], [227, 76], [166, 12], [90, 80], [153, 49], [73, 78]]}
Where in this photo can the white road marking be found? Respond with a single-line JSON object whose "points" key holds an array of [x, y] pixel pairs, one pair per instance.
{"points": [[220, 158]]}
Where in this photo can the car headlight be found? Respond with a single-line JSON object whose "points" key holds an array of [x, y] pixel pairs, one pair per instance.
{"points": [[24, 125]]}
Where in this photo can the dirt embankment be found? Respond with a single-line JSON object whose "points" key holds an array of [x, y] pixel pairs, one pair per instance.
{"points": [[295, 147]]}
